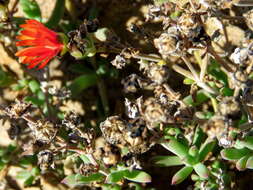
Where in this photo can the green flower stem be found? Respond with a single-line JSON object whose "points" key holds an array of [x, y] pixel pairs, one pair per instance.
{"points": [[214, 104], [179, 70], [176, 68], [203, 63], [70, 6], [147, 57], [197, 79], [191, 68], [182, 71], [103, 172], [102, 89], [50, 112]]}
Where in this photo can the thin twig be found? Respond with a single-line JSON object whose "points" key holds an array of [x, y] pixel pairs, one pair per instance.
{"points": [[191, 68], [204, 65], [50, 113]]}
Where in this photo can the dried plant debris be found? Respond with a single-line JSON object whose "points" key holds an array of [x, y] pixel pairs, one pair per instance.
{"points": [[110, 97], [133, 136]]}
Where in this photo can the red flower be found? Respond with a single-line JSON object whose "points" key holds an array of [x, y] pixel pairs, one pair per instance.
{"points": [[44, 44]]}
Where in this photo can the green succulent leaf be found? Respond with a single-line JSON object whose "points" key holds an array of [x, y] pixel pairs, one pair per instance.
{"points": [[71, 181], [90, 178], [181, 175], [138, 176], [199, 137], [34, 100], [165, 161], [205, 149], [249, 163], [56, 14], [82, 82], [31, 9], [23, 174], [194, 151], [177, 148], [200, 98], [2, 164], [34, 86], [188, 81], [29, 181], [190, 160], [241, 164], [247, 142], [77, 179], [226, 91], [115, 177], [234, 154], [214, 69], [85, 159], [201, 170]]}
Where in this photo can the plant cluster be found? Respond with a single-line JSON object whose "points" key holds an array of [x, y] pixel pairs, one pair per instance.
{"points": [[185, 103]]}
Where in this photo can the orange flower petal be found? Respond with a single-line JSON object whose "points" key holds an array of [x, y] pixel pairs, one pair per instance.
{"points": [[43, 44]]}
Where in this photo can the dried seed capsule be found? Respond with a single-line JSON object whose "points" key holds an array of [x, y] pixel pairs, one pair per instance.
{"points": [[87, 169], [111, 155], [153, 112], [134, 136], [132, 110], [133, 83], [17, 109], [43, 131], [186, 23], [120, 61], [71, 120], [157, 73], [14, 131], [229, 107], [249, 19], [239, 55], [112, 129], [168, 44], [61, 93], [45, 160]]}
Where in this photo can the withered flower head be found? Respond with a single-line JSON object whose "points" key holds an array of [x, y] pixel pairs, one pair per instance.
{"points": [[249, 19], [133, 136], [120, 61], [153, 112], [43, 131], [17, 109], [133, 83], [186, 23], [229, 107], [132, 110], [239, 55], [45, 160], [111, 129], [157, 73], [87, 169], [169, 44], [71, 120]]}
